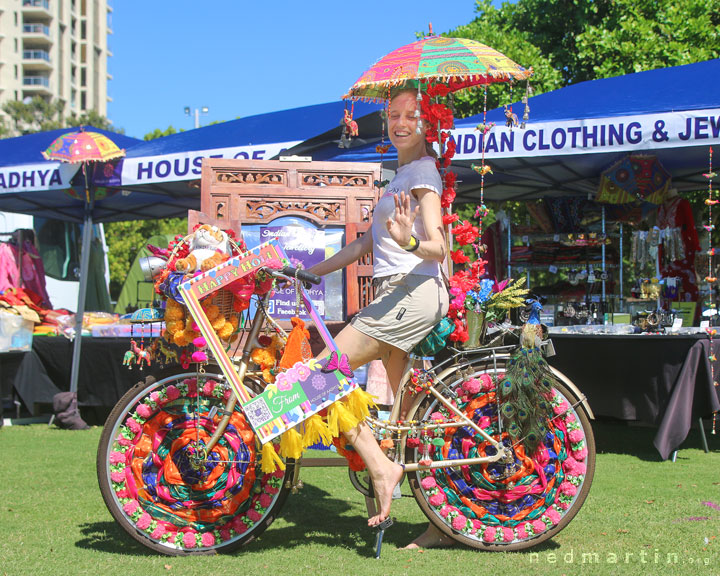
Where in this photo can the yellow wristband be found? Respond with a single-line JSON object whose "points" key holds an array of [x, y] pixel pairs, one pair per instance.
{"points": [[413, 245]]}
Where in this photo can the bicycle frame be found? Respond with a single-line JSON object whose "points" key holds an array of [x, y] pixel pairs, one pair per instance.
{"points": [[242, 371]]}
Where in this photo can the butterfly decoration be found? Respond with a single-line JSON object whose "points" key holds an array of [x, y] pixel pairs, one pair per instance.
{"points": [[338, 362]]}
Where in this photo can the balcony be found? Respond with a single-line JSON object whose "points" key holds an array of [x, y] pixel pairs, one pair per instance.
{"points": [[37, 8], [33, 85], [37, 4], [41, 29], [36, 60], [37, 33], [36, 81]]}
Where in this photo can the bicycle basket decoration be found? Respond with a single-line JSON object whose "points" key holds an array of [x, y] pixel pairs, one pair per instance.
{"points": [[289, 407], [185, 257]]}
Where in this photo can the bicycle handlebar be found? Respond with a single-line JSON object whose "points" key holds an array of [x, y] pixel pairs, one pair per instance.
{"points": [[300, 274]]}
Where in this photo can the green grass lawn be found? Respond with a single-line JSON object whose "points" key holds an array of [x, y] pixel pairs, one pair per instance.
{"points": [[643, 516]]}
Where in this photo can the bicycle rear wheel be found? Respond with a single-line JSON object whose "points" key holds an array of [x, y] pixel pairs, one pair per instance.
{"points": [[504, 506], [160, 486]]}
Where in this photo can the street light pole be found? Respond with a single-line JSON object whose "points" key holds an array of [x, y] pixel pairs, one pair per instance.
{"points": [[196, 113]]}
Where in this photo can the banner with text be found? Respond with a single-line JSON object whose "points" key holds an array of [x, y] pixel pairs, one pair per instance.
{"points": [[181, 165], [37, 177], [635, 133]]}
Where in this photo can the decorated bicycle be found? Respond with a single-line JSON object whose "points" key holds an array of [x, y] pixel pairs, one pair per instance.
{"points": [[496, 444]]}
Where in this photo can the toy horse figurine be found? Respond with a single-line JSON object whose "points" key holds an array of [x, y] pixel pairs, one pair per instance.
{"points": [[350, 129], [350, 125], [141, 355], [510, 118], [129, 359]]}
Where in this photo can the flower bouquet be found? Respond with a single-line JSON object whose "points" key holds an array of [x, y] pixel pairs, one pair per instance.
{"points": [[478, 301]]}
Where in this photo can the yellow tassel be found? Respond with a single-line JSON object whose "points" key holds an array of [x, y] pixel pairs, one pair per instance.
{"points": [[316, 431], [270, 460], [332, 420], [340, 418], [291, 444], [359, 403]]}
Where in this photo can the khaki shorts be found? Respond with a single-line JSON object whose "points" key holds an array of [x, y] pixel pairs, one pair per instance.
{"points": [[405, 309]]}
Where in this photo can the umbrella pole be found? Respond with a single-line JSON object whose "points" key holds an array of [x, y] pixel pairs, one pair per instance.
{"points": [[84, 272]]}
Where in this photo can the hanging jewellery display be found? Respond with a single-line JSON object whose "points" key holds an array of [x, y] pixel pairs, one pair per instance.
{"points": [[710, 278]]}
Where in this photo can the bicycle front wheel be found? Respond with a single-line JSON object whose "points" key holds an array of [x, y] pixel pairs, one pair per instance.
{"points": [[160, 485], [504, 505]]}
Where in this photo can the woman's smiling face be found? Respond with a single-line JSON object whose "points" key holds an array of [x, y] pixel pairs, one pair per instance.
{"points": [[402, 127]]}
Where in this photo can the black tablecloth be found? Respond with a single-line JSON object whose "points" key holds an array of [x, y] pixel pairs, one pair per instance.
{"points": [[655, 379], [45, 371]]}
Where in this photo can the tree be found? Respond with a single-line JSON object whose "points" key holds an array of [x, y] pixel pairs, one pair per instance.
{"points": [[40, 115], [642, 35], [124, 239], [37, 115], [570, 41], [157, 133], [492, 27]]}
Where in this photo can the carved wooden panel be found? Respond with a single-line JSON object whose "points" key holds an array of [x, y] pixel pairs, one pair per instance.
{"points": [[256, 177], [264, 209], [325, 193], [361, 290], [336, 179]]}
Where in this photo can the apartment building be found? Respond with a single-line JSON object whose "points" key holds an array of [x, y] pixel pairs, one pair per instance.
{"points": [[56, 49]]}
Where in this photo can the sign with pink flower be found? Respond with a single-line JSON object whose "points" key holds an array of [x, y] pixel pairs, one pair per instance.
{"points": [[298, 393]]}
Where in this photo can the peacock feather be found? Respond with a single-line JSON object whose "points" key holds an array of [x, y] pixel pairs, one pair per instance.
{"points": [[526, 390]]}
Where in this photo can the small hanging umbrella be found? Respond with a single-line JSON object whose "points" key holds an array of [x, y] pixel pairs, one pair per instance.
{"points": [[82, 147], [636, 177], [458, 62]]}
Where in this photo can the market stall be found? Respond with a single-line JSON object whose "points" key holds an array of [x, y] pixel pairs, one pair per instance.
{"points": [[574, 135]]}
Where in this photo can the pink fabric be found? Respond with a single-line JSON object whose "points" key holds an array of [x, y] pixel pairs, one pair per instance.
{"points": [[9, 274], [33, 271]]}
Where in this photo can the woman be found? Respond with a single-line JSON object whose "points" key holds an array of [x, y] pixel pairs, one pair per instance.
{"points": [[408, 246]]}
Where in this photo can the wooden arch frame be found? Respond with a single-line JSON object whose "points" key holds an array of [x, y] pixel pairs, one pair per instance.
{"points": [[341, 194]]}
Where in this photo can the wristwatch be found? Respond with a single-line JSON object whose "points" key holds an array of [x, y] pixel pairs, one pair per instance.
{"points": [[413, 245]]}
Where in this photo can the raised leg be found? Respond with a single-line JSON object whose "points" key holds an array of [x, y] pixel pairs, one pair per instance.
{"points": [[384, 473]]}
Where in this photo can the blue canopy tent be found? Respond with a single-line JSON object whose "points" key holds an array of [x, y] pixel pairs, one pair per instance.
{"points": [[160, 178], [576, 132], [31, 185]]}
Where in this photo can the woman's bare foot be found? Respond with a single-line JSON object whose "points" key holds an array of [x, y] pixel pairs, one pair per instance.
{"points": [[383, 486], [431, 538]]}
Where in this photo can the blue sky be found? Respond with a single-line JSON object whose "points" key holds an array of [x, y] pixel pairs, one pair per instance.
{"points": [[245, 57]]}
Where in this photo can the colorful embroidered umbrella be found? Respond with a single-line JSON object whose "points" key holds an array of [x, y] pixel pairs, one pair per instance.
{"points": [[81, 146], [457, 62], [635, 177]]}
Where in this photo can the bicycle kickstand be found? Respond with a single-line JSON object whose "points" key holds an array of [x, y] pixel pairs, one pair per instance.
{"points": [[384, 525]]}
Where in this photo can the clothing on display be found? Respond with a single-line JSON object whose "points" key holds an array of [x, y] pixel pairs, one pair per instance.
{"points": [[677, 213], [21, 266]]}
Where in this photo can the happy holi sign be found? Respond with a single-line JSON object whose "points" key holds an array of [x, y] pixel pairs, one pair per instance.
{"points": [[298, 393]]}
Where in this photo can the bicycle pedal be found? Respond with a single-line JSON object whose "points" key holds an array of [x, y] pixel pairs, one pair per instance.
{"points": [[384, 525]]}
